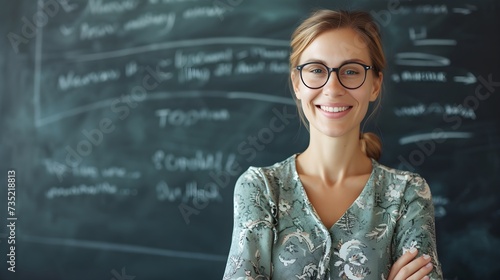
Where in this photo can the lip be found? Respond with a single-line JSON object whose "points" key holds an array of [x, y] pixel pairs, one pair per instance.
{"points": [[334, 115]]}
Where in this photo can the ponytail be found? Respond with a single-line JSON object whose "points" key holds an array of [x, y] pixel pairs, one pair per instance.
{"points": [[371, 145]]}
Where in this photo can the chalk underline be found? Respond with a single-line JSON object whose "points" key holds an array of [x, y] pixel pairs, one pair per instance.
{"points": [[166, 95], [434, 136], [99, 245], [177, 44]]}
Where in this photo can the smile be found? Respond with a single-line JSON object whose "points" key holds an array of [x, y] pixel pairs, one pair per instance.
{"points": [[334, 109]]}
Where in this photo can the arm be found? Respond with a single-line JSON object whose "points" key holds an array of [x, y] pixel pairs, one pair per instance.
{"points": [[408, 266], [253, 229], [415, 230]]}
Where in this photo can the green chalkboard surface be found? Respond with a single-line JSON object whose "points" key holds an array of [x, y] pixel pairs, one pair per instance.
{"points": [[126, 123]]}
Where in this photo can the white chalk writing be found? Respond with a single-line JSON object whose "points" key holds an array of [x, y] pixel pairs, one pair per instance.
{"points": [[191, 191], [423, 76], [72, 80], [210, 11], [269, 54], [199, 162], [150, 19], [434, 108], [88, 32], [82, 189], [178, 117], [188, 74], [53, 167], [99, 7], [249, 68], [199, 58]]}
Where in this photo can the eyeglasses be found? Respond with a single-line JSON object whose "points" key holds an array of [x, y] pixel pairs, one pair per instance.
{"points": [[351, 75]]}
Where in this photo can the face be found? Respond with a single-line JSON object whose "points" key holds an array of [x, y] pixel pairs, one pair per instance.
{"points": [[334, 110]]}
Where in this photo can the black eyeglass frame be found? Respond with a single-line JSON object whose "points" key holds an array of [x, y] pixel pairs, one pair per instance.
{"points": [[336, 70]]}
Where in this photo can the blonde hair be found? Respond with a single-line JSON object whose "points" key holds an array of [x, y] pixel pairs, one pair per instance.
{"points": [[364, 25]]}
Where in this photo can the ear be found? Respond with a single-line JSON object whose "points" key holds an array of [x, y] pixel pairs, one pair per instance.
{"points": [[295, 83], [377, 86]]}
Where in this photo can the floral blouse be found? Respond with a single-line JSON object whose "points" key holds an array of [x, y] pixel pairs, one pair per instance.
{"points": [[278, 234]]}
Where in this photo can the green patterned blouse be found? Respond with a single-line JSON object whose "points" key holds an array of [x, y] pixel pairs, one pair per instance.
{"points": [[278, 234]]}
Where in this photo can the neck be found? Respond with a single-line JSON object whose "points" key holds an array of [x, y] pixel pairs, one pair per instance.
{"points": [[333, 159]]}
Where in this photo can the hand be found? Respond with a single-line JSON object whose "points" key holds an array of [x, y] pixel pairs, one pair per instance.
{"points": [[410, 268]]}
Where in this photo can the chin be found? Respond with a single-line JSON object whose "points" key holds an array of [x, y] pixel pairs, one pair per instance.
{"points": [[332, 132]]}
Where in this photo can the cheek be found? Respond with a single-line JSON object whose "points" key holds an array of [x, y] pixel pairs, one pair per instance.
{"points": [[296, 84], [362, 96], [307, 96], [305, 102]]}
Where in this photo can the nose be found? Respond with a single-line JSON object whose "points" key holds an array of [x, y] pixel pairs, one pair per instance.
{"points": [[333, 86]]}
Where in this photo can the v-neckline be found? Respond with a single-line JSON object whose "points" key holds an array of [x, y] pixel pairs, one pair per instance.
{"points": [[311, 207]]}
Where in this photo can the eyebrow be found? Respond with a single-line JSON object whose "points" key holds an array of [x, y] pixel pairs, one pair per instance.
{"points": [[343, 62]]}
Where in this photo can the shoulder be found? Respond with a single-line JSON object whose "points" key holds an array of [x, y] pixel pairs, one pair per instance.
{"points": [[268, 178], [410, 184], [258, 189], [267, 174]]}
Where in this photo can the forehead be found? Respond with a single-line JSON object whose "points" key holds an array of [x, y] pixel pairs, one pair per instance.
{"points": [[336, 46]]}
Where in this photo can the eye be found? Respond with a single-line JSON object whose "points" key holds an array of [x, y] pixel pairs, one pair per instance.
{"points": [[350, 72], [316, 70]]}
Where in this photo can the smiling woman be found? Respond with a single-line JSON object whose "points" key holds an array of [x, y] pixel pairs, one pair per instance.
{"points": [[333, 211]]}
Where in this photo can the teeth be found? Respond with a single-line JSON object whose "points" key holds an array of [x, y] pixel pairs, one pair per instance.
{"points": [[334, 109]]}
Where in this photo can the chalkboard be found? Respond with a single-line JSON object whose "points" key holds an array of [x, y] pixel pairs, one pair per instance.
{"points": [[126, 123]]}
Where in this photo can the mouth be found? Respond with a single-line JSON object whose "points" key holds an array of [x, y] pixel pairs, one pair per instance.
{"points": [[333, 109]]}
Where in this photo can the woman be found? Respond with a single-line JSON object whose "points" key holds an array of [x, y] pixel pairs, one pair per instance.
{"points": [[334, 212]]}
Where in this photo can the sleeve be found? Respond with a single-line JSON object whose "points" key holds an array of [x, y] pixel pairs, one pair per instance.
{"points": [[253, 229], [415, 227]]}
